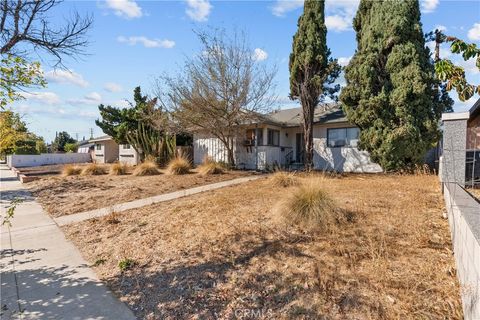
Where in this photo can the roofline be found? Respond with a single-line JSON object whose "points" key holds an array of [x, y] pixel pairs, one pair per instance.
{"points": [[101, 139]]}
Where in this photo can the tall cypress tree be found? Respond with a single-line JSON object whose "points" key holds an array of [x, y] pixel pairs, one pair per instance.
{"points": [[312, 71], [391, 92]]}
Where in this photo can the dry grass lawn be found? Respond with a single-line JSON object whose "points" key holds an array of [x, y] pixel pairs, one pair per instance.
{"points": [[225, 254], [475, 193], [61, 195]]}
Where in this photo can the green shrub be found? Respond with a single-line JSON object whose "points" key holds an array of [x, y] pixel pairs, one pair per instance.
{"points": [[126, 264]]}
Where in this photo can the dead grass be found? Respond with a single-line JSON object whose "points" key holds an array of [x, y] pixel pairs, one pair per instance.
{"points": [[178, 166], [71, 170], [311, 208], [93, 169], [284, 179], [67, 195], [118, 169], [475, 193], [216, 254], [147, 168], [209, 166]]}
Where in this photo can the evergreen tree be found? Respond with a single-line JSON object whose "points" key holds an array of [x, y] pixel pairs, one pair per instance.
{"points": [[312, 71], [391, 92]]}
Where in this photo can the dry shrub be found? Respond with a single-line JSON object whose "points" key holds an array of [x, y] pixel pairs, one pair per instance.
{"points": [[93, 169], [147, 168], [310, 207], [178, 165], [118, 169], [284, 179], [71, 170], [210, 166]]}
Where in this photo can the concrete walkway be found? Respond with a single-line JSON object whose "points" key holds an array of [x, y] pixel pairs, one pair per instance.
{"points": [[43, 275], [74, 218]]}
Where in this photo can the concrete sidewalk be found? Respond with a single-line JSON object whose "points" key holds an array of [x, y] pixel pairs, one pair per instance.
{"points": [[43, 275]]}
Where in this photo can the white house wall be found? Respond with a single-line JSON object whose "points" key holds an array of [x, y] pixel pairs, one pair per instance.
{"points": [[344, 159], [127, 156], [341, 159]]}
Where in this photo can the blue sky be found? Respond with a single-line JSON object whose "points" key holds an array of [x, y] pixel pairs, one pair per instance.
{"points": [[132, 42]]}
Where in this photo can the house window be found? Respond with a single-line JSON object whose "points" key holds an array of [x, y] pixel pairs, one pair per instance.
{"points": [[98, 146], [273, 137], [342, 137], [250, 137], [126, 146]]}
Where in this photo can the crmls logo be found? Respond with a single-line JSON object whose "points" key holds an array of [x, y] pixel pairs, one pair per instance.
{"points": [[253, 313]]}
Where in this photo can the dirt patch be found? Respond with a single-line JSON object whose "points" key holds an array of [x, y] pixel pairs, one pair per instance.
{"points": [[67, 195], [224, 254]]}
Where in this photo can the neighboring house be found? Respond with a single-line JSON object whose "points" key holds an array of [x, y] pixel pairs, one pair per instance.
{"points": [[128, 155], [86, 146], [277, 140], [460, 159], [106, 149]]}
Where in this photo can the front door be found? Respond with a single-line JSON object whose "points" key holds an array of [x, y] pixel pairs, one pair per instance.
{"points": [[299, 147]]}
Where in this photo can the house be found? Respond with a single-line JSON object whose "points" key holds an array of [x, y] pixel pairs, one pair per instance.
{"points": [[108, 151], [460, 160], [86, 146], [128, 155], [277, 140]]}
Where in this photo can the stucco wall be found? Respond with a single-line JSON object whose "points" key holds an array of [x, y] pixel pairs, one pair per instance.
{"points": [[108, 152], [29, 160], [464, 219], [454, 149], [128, 156]]}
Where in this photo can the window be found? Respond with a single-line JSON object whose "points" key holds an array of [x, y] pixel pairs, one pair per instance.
{"points": [[342, 137], [273, 137], [98, 146], [250, 137], [126, 146]]}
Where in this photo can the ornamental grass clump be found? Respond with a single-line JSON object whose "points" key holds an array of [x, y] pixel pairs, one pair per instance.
{"points": [[179, 165], [310, 207], [284, 179], [210, 166], [93, 169], [118, 169], [147, 168], [71, 170]]}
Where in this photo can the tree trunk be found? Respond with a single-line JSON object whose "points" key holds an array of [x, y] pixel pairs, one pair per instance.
{"points": [[230, 153], [308, 135]]}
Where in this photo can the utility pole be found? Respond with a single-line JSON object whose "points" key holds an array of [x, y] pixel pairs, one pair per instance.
{"points": [[91, 133]]}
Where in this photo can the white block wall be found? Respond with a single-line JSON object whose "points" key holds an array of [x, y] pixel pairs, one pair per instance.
{"points": [[464, 219], [33, 160]]}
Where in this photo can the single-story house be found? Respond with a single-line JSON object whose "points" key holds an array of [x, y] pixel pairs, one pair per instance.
{"points": [[277, 140], [108, 151]]}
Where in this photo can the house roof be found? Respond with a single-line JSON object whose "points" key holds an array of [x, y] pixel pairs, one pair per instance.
{"points": [[324, 113], [101, 138], [475, 109], [86, 145]]}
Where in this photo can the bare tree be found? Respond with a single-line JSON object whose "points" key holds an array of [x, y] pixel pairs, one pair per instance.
{"points": [[221, 89], [24, 26]]}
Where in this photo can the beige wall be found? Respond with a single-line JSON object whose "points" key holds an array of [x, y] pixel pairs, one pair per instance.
{"points": [[108, 152], [128, 156]]}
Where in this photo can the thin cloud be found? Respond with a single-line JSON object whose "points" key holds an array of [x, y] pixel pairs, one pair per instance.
{"points": [[112, 87], [49, 98], [198, 10], [428, 6], [146, 42], [343, 61], [259, 55], [128, 9], [93, 98], [474, 32], [66, 77]]}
